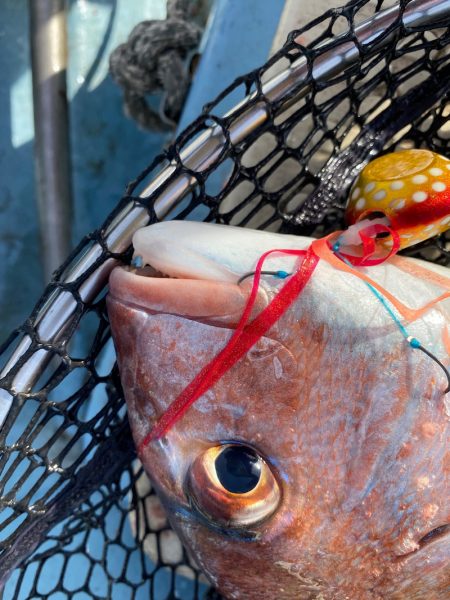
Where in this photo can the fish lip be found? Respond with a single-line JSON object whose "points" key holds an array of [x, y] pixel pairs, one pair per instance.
{"points": [[159, 295], [197, 250]]}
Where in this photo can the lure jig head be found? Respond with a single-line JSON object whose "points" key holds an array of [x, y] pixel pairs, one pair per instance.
{"points": [[410, 188]]}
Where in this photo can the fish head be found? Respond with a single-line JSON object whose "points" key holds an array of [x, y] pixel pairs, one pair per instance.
{"points": [[317, 466]]}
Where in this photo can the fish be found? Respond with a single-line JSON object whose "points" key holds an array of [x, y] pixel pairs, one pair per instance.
{"points": [[317, 466]]}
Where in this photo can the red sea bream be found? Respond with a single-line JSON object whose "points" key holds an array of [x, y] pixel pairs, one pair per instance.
{"points": [[339, 427]]}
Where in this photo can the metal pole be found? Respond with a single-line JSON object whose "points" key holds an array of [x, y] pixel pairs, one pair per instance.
{"points": [[48, 41]]}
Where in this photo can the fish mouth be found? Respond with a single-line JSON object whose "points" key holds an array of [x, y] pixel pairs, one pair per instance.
{"points": [[194, 270], [215, 302]]}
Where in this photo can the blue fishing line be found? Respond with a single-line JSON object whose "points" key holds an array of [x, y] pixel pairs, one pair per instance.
{"points": [[412, 341]]}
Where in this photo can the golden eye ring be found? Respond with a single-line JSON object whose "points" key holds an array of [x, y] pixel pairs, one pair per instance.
{"points": [[233, 486]]}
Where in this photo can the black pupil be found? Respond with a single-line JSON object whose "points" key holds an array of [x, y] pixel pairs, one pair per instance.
{"points": [[238, 469]]}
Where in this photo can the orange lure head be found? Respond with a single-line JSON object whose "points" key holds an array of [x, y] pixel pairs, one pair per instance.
{"points": [[411, 188]]}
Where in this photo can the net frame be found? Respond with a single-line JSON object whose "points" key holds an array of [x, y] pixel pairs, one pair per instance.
{"points": [[194, 178]]}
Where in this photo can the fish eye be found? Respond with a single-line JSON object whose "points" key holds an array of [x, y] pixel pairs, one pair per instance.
{"points": [[233, 486], [238, 469]]}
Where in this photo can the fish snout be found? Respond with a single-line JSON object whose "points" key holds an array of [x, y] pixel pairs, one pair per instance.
{"points": [[211, 301]]}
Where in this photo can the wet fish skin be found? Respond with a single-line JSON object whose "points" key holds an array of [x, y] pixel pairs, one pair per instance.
{"points": [[351, 420]]}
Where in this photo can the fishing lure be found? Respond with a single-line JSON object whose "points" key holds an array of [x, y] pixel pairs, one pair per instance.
{"points": [[411, 188]]}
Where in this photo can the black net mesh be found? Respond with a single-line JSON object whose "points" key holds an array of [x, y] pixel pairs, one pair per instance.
{"points": [[78, 518]]}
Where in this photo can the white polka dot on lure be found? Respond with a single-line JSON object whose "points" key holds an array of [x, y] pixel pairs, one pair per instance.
{"points": [[447, 166], [360, 204], [418, 179], [445, 221], [429, 228], [397, 185], [435, 172], [406, 235], [438, 186], [419, 196], [369, 187], [398, 204], [380, 195], [356, 193]]}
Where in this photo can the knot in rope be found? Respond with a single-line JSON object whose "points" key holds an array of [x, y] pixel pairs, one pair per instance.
{"points": [[153, 60]]}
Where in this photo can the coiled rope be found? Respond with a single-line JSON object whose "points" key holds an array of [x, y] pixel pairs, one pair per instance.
{"points": [[153, 60]]}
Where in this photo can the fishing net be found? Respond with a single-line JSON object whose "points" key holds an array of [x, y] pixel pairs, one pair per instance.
{"points": [[276, 150]]}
